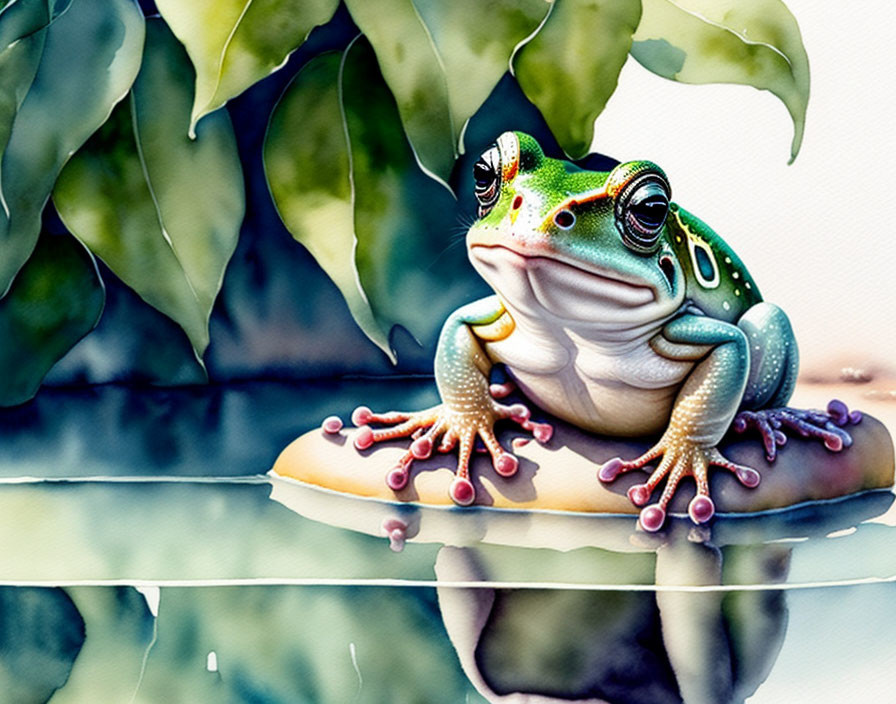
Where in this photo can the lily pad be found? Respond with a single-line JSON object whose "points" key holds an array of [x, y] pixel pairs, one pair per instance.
{"points": [[161, 210], [707, 41], [560, 476]]}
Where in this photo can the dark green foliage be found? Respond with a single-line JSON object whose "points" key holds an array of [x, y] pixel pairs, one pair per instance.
{"points": [[158, 192]]}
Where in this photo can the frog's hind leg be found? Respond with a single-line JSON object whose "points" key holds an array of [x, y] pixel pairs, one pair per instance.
{"points": [[771, 424], [774, 361], [774, 357]]}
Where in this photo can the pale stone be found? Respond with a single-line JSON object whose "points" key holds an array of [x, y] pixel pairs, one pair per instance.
{"points": [[561, 475]]}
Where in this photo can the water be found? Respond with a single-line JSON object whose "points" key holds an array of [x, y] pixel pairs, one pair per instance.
{"points": [[148, 557]]}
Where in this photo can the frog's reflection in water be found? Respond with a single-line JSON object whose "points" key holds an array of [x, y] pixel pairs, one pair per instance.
{"points": [[680, 641], [547, 606]]}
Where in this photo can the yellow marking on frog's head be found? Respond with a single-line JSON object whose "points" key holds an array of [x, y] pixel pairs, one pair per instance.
{"points": [[703, 259]]}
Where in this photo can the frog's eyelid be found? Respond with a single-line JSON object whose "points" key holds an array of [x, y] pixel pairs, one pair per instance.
{"points": [[487, 192], [508, 146], [623, 176], [492, 158], [636, 235]]}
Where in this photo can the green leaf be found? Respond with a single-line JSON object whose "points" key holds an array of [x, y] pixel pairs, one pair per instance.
{"points": [[570, 68], [308, 167], [346, 184], [56, 299], [441, 61], [161, 210], [234, 43], [728, 41], [58, 82], [20, 19]]}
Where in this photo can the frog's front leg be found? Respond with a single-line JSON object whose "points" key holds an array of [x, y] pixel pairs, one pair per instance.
{"points": [[468, 410], [702, 413]]}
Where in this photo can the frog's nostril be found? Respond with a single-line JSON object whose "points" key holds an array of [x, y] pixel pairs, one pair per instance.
{"points": [[517, 203], [668, 269], [564, 219]]}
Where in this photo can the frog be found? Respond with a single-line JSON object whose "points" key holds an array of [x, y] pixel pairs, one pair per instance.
{"points": [[615, 310]]}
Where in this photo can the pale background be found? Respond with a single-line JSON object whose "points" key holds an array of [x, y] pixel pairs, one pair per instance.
{"points": [[819, 236]]}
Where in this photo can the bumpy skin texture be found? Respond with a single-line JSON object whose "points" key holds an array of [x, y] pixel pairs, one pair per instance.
{"points": [[468, 410], [617, 311]]}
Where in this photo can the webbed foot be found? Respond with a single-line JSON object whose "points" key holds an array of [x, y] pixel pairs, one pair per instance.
{"points": [[680, 458], [443, 429], [771, 424]]}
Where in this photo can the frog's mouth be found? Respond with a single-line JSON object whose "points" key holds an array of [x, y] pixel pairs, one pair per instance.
{"points": [[568, 290]]}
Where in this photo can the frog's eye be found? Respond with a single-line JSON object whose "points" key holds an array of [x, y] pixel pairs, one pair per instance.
{"points": [[641, 211], [487, 178]]}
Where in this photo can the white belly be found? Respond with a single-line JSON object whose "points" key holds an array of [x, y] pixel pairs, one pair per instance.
{"points": [[609, 388], [580, 345]]}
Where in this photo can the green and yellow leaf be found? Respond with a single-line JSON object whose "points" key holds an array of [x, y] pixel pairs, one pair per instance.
{"points": [[161, 210], [61, 73], [728, 41], [570, 68], [235, 43], [347, 186], [441, 60]]}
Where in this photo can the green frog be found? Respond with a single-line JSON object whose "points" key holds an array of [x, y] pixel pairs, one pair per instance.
{"points": [[618, 311]]}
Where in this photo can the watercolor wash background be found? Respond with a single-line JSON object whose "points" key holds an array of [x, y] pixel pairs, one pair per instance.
{"points": [[814, 234], [819, 253], [810, 232]]}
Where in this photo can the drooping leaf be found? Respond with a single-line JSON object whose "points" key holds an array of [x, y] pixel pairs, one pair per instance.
{"points": [[21, 45], [21, 18], [726, 41], [308, 167], [56, 299], [507, 108], [347, 186], [133, 344], [59, 82], [161, 210], [402, 218], [442, 59], [570, 68], [234, 43]]}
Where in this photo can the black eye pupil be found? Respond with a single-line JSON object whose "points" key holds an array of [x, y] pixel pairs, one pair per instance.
{"points": [[482, 173], [651, 211]]}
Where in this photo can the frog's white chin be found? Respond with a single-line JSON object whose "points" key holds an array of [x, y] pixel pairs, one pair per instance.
{"points": [[540, 285]]}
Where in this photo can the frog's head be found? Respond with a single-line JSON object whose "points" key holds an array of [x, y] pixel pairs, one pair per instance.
{"points": [[585, 246]]}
